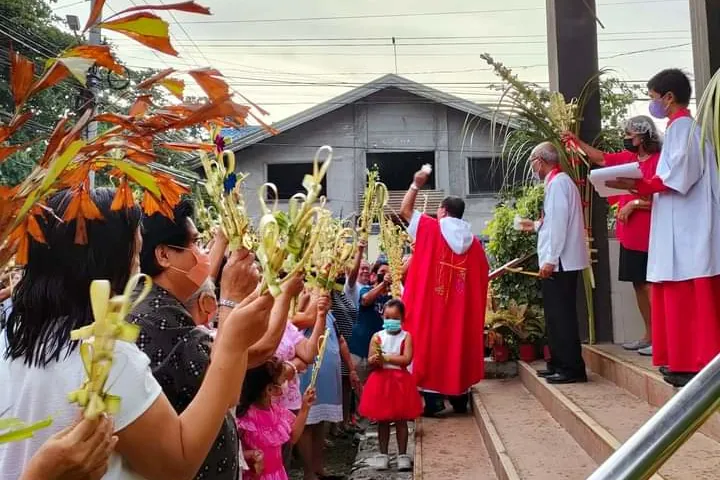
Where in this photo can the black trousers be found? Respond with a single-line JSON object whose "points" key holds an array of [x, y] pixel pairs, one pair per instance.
{"points": [[435, 402], [561, 323]]}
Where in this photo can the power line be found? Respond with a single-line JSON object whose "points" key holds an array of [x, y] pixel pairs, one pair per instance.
{"points": [[388, 43], [632, 36], [405, 15]]}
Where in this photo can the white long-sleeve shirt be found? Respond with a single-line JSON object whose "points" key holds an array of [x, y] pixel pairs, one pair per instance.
{"points": [[685, 222], [561, 234]]}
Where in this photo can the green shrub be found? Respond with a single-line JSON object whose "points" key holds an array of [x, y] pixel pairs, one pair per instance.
{"points": [[506, 243]]}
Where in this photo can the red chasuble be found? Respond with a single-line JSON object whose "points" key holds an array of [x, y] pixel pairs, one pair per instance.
{"points": [[445, 297]]}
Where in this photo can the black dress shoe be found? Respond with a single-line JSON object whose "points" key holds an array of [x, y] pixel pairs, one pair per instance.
{"points": [[678, 379], [561, 378], [545, 373]]}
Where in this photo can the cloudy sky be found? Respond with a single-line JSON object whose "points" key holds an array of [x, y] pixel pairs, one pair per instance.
{"points": [[290, 55]]}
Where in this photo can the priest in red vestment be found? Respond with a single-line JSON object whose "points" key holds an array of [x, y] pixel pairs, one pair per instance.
{"points": [[445, 295]]}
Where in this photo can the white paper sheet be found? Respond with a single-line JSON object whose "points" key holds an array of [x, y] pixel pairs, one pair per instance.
{"points": [[599, 176]]}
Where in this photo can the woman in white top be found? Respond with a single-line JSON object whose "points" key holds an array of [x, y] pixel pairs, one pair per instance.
{"points": [[39, 364]]}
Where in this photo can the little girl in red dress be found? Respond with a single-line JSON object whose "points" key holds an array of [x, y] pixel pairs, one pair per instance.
{"points": [[263, 426], [390, 394]]}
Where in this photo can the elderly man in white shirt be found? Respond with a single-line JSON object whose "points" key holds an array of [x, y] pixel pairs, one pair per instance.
{"points": [[562, 254]]}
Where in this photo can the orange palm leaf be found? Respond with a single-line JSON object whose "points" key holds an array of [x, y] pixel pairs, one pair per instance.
{"points": [[171, 190], [117, 119], [6, 151], [145, 28], [188, 147], [80, 209], [101, 54], [142, 157], [174, 86], [149, 82], [16, 123], [123, 197], [33, 228], [140, 106], [22, 73], [55, 74], [151, 206], [214, 87], [95, 13], [54, 141], [190, 7]]}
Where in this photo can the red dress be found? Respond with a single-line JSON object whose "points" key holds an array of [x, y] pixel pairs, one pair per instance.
{"points": [[635, 233], [445, 297], [390, 392]]}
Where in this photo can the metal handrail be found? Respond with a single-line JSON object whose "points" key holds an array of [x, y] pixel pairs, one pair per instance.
{"points": [[649, 448]]}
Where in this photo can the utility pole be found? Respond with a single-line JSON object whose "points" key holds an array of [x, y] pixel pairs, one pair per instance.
{"points": [[705, 29], [94, 38], [573, 60]]}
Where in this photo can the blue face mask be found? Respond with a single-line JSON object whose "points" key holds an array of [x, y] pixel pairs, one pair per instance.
{"points": [[391, 325]]}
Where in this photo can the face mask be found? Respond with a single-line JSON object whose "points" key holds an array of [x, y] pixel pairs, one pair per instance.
{"points": [[201, 271], [657, 108], [391, 325], [536, 176], [629, 146]]}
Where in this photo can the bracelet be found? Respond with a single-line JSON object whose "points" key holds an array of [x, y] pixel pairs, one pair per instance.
{"points": [[414, 187], [223, 302]]}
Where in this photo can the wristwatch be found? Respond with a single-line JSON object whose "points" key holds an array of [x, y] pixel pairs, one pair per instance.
{"points": [[636, 203], [414, 187], [223, 302]]}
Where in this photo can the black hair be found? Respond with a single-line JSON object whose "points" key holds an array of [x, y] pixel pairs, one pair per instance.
{"points": [[377, 265], [256, 382], [454, 206], [53, 295], [672, 80], [396, 303], [161, 230]]}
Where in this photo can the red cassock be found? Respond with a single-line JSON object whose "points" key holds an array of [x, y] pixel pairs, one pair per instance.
{"points": [[445, 297]]}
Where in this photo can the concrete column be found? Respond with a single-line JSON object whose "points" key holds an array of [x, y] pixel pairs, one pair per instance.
{"points": [[442, 163], [573, 60], [705, 29]]}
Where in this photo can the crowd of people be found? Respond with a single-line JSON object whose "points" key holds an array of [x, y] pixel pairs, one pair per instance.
{"points": [[228, 382], [221, 382]]}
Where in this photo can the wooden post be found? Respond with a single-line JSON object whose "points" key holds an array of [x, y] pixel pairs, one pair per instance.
{"points": [[573, 60], [705, 29]]}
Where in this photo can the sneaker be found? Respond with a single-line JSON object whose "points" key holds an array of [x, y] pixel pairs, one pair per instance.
{"points": [[646, 352], [636, 345], [382, 462], [404, 463]]}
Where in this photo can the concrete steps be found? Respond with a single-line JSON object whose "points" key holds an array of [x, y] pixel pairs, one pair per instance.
{"points": [[451, 448], [527, 443], [538, 431]]}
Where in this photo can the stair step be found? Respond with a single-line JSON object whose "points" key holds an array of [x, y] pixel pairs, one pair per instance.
{"points": [[451, 448], [601, 415], [517, 427], [637, 375]]}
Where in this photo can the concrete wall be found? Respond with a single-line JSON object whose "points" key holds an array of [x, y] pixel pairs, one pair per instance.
{"points": [[389, 120], [627, 321]]}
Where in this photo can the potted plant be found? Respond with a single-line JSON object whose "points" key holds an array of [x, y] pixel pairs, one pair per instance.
{"points": [[500, 350], [519, 324]]}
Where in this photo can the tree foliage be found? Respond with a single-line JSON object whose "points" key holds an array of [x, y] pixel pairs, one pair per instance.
{"points": [[30, 28]]}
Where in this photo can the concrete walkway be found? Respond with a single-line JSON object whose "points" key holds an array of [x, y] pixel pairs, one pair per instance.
{"points": [[369, 448]]}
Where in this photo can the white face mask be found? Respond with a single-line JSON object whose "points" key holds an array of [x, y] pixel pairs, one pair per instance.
{"points": [[536, 176]]}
